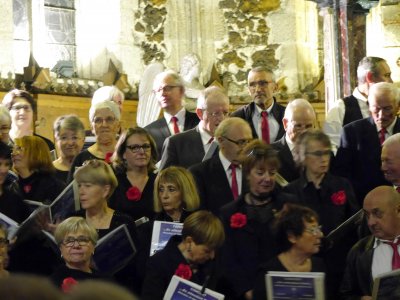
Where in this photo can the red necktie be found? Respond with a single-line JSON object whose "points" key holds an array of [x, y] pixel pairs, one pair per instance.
{"points": [[382, 133], [234, 186], [175, 123], [396, 256], [265, 126], [210, 140]]}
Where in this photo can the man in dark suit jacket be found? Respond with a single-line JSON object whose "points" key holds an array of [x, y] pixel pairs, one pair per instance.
{"points": [[299, 116], [169, 92], [359, 155], [189, 148], [214, 176], [369, 257], [261, 82]]}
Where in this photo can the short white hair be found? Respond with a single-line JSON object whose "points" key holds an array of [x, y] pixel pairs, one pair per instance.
{"points": [[295, 104], [386, 88], [107, 93], [111, 105]]}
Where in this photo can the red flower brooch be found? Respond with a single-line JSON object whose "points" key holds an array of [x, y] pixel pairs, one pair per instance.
{"points": [[108, 156], [67, 284], [133, 194], [339, 198], [238, 220], [184, 271], [27, 188]]}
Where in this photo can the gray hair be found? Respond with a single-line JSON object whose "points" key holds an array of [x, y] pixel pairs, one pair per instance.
{"points": [[75, 224], [368, 64], [386, 88], [68, 122], [112, 106], [260, 69], [168, 73], [229, 123], [107, 93], [202, 99]]}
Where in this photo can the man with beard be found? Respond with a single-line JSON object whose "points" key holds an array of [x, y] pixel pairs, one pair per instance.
{"points": [[264, 114]]}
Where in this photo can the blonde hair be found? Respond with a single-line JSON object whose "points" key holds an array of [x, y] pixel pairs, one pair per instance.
{"points": [[184, 181], [75, 224]]}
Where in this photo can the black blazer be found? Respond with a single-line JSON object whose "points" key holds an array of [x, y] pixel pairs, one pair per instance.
{"points": [[246, 113], [183, 149], [159, 129], [359, 156], [288, 169], [212, 184]]}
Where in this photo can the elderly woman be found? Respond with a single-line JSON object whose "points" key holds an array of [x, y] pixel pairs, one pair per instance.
{"points": [[35, 170], [332, 197], [69, 134], [133, 161], [189, 256], [22, 108], [77, 240], [105, 121], [297, 236], [247, 220], [5, 125]]}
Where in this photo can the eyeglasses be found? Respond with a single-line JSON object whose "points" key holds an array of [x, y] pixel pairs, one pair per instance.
{"points": [[166, 88], [218, 114], [100, 121], [240, 143], [314, 230], [320, 153], [3, 242], [81, 240], [136, 148], [260, 83], [25, 107]]}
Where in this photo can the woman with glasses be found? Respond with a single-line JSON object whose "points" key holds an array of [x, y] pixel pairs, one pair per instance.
{"points": [[105, 122], [22, 108], [297, 237], [247, 220], [134, 164], [76, 240], [69, 134], [332, 197]]}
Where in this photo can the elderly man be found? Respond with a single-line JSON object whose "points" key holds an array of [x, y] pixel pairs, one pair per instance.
{"points": [[264, 114], [359, 155], [170, 91], [190, 147], [390, 158], [370, 70], [223, 170], [378, 253], [299, 117]]}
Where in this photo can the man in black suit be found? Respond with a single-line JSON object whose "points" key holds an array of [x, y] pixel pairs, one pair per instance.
{"points": [[170, 91], [189, 148], [264, 112], [299, 117], [359, 155], [373, 255], [214, 177]]}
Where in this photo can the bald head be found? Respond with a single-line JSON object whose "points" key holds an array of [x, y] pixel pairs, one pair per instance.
{"points": [[382, 209], [299, 117]]}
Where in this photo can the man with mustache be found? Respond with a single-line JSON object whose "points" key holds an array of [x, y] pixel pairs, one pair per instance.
{"points": [[359, 155], [378, 253], [264, 114]]}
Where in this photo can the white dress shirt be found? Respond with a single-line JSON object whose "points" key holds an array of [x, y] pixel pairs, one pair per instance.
{"points": [[272, 123], [226, 164], [181, 120]]}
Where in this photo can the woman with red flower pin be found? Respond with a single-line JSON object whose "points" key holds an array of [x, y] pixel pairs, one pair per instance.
{"points": [[76, 240], [133, 161], [247, 220], [332, 197], [190, 256]]}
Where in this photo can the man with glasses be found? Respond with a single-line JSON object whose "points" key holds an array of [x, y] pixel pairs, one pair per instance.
{"points": [[190, 147], [359, 155], [169, 90], [299, 117], [224, 170], [264, 114]]}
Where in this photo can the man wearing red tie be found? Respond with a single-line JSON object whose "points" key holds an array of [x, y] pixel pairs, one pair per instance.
{"points": [[359, 155], [378, 253], [264, 114]]}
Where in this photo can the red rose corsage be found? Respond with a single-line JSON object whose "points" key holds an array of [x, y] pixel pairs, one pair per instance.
{"points": [[339, 198], [133, 194], [107, 159], [184, 271], [67, 284], [27, 188], [238, 220]]}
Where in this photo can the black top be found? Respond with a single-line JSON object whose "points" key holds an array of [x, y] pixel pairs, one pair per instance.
{"points": [[12, 205], [79, 160], [135, 209], [260, 292], [163, 265], [62, 175], [49, 143], [64, 272], [352, 110]]}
